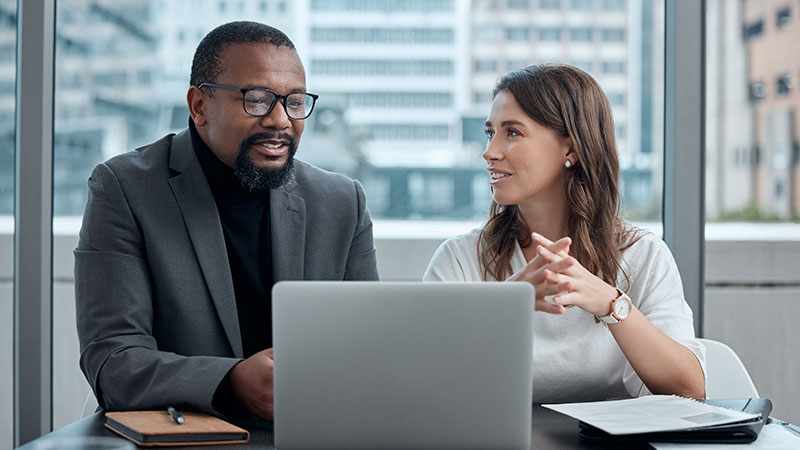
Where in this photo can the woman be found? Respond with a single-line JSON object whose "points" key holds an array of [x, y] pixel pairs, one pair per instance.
{"points": [[612, 319]]}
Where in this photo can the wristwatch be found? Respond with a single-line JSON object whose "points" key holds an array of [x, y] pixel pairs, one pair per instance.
{"points": [[620, 308]]}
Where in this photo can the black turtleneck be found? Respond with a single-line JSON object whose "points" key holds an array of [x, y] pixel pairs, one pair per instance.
{"points": [[245, 225]]}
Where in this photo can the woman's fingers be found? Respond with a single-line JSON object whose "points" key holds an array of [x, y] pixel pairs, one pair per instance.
{"points": [[567, 299], [559, 247], [548, 256], [545, 290], [545, 306], [561, 265]]}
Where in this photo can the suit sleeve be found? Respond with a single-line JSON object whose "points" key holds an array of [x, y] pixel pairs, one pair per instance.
{"points": [[361, 260], [114, 306]]}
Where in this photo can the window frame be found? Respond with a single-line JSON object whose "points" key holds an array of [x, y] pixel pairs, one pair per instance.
{"points": [[683, 211], [33, 216]]}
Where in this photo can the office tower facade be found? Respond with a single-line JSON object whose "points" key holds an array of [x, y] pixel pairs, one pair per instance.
{"points": [[405, 85], [617, 42], [181, 25], [397, 69], [729, 138], [103, 89], [771, 33], [122, 71], [8, 53]]}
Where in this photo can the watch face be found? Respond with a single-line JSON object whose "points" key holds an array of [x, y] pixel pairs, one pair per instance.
{"points": [[622, 307]]}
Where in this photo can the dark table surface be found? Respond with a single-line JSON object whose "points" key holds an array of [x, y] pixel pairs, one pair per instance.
{"points": [[550, 430]]}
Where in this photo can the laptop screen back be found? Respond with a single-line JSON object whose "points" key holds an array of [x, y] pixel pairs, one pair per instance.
{"points": [[402, 365]]}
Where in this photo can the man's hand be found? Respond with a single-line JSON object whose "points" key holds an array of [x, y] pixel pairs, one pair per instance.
{"points": [[251, 381]]}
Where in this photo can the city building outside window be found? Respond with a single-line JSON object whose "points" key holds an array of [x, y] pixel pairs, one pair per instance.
{"points": [[752, 186]]}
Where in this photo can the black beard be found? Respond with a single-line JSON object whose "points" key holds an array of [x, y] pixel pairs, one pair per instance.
{"points": [[254, 179]]}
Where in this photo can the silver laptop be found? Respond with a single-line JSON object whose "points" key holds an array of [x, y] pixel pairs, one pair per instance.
{"points": [[373, 365]]}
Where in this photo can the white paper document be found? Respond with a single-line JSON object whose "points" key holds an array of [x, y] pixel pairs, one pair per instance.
{"points": [[650, 414], [771, 437]]}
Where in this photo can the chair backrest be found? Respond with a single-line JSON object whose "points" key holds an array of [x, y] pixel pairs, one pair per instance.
{"points": [[89, 405], [726, 376]]}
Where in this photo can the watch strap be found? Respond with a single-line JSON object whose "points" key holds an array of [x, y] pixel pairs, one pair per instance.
{"points": [[610, 317]]}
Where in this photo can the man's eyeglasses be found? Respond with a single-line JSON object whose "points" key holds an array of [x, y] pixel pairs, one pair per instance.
{"points": [[260, 101]]}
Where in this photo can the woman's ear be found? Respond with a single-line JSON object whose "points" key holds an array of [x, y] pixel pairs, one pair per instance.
{"points": [[197, 102], [570, 155]]}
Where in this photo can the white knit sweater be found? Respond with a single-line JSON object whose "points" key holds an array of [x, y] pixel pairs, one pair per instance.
{"points": [[574, 358]]}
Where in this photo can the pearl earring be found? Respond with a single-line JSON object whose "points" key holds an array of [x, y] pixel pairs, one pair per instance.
{"points": [[567, 163]]}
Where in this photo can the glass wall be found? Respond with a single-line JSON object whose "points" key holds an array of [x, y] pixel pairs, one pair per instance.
{"points": [[752, 197], [415, 136], [401, 108], [8, 71]]}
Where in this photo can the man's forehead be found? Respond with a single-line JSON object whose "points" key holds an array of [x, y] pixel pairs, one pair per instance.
{"points": [[253, 59], [260, 49]]}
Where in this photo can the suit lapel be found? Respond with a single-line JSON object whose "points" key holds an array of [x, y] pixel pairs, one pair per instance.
{"points": [[288, 233], [201, 217]]}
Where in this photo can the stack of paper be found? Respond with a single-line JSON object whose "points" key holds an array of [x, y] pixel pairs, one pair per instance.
{"points": [[651, 414]]}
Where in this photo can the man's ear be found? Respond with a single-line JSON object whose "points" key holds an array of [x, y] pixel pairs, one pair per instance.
{"points": [[197, 102]]}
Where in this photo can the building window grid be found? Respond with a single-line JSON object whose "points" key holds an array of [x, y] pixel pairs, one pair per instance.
{"points": [[401, 99], [585, 65], [784, 18], [383, 35], [616, 98], [518, 34], [784, 85], [613, 34], [485, 66], [383, 5], [549, 34], [754, 29], [392, 68], [582, 5], [549, 4], [406, 132], [614, 5], [581, 34], [614, 67]]}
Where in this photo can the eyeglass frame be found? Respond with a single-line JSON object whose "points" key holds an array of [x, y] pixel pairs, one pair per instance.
{"points": [[277, 97]]}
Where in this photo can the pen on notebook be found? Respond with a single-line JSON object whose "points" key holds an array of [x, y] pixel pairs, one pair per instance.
{"points": [[176, 416]]}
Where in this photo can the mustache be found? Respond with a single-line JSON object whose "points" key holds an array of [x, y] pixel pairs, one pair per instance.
{"points": [[273, 135]]}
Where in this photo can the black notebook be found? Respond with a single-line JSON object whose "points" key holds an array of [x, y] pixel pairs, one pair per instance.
{"points": [[733, 433]]}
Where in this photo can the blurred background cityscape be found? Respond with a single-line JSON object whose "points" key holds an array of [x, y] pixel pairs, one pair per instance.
{"points": [[405, 86]]}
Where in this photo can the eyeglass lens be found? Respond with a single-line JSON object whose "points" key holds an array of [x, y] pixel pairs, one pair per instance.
{"points": [[258, 102]]}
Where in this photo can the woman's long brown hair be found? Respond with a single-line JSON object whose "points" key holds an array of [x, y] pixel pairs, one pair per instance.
{"points": [[569, 101]]}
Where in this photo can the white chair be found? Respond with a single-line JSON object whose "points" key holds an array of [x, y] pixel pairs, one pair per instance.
{"points": [[89, 405], [726, 376]]}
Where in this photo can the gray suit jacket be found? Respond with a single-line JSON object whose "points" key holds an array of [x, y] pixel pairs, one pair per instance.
{"points": [[156, 311]]}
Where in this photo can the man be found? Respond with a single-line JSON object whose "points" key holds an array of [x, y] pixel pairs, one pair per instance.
{"points": [[183, 239]]}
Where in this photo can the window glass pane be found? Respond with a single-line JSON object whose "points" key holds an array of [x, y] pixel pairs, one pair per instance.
{"points": [[393, 142], [8, 74], [405, 86], [752, 196]]}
